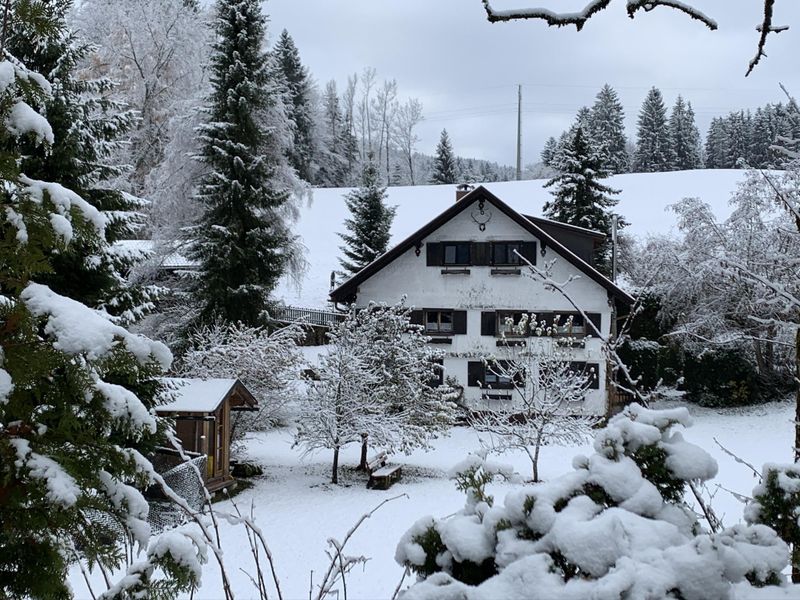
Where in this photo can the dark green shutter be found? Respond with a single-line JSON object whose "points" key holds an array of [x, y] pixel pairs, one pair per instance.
{"points": [[475, 373], [433, 252], [595, 320], [489, 323], [528, 250], [417, 316], [480, 253], [459, 321]]}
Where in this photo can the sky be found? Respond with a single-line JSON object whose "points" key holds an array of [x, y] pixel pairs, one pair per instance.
{"points": [[465, 70]]}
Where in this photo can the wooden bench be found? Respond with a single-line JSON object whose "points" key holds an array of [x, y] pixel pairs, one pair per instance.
{"points": [[384, 477], [376, 462]]}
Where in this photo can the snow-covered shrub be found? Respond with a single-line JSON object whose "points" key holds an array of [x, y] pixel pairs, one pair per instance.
{"points": [[615, 527], [268, 363]]}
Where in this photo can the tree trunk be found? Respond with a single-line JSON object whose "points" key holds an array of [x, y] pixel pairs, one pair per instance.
{"points": [[536, 462], [795, 548], [335, 469], [362, 466]]}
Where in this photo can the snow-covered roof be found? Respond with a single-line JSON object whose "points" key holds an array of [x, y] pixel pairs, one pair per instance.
{"points": [[196, 395]]}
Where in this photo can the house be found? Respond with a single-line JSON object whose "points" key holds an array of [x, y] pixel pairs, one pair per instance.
{"points": [[462, 275], [201, 409]]}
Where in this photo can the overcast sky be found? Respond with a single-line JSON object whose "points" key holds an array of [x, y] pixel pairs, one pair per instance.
{"points": [[465, 70]]}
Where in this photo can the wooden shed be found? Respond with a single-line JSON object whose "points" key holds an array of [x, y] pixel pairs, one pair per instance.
{"points": [[202, 409]]}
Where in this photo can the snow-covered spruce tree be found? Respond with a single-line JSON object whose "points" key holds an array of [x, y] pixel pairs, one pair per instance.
{"points": [[607, 126], [717, 144], [87, 130], [548, 393], [374, 386], [332, 160], [684, 136], [617, 526], [444, 162], [242, 242], [269, 363], [739, 129], [299, 105], [579, 198], [549, 151], [76, 390], [370, 223], [653, 144]]}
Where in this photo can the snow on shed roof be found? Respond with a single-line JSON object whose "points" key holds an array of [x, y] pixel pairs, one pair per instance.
{"points": [[195, 395], [165, 257]]}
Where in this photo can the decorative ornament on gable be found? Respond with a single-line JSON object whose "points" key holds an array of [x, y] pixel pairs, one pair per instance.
{"points": [[418, 248], [482, 216]]}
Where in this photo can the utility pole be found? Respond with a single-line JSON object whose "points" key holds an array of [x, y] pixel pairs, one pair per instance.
{"points": [[519, 132]]}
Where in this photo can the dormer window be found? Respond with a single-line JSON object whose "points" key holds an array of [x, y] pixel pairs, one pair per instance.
{"points": [[456, 253]]}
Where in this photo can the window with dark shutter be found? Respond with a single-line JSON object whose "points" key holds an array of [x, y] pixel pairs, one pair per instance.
{"points": [[489, 323], [433, 253], [596, 320], [460, 322], [475, 373], [437, 375], [439, 321], [589, 370], [528, 251], [456, 253], [480, 253], [505, 254], [416, 317]]}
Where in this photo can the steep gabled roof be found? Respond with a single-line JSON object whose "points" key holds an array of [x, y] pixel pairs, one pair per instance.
{"points": [[196, 395], [347, 290]]}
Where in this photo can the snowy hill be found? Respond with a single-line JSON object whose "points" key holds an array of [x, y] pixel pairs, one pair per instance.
{"points": [[643, 202]]}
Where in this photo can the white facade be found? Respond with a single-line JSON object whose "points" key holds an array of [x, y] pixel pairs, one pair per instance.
{"points": [[483, 289]]}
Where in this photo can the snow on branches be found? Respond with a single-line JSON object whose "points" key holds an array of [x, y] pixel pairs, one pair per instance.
{"points": [[268, 363], [375, 383]]}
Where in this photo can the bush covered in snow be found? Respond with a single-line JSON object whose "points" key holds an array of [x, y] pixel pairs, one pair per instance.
{"points": [[615, 527]]}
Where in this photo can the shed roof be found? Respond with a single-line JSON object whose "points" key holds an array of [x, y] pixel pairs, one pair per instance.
{"points": [[200, 395]]}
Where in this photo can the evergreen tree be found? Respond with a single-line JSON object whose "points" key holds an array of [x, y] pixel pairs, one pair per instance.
{"points": [[87, 129], [370, 222], [549, 151], [608, 128], [444, 163], [739, 132], [685, 136], [653, 146], [760, 154], [579, 198], [76, 390], [716, 144], [295, 75], [242, 241]]}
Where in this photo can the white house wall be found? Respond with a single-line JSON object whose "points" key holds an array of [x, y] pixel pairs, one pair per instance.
{"points": [[426, 287]]}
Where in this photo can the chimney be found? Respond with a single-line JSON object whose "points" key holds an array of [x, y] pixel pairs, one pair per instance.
{"points": [[462, 189]]}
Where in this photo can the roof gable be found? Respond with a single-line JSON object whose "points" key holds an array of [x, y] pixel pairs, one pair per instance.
{"points": [[204, 395], [346, 292]]}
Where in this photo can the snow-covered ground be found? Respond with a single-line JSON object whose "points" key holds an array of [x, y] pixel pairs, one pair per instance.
{"points": [[644, 199], [299, 510]]}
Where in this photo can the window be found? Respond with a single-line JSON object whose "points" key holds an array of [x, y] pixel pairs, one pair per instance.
{"points": [[508, 323], [589, 370], [439, 321], [437, 373], [501, 375], [569, 324], [505, 253], [456, 253]]}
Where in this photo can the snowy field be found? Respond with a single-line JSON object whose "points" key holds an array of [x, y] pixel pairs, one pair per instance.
{"points": [[298, 510], [644, 199]]}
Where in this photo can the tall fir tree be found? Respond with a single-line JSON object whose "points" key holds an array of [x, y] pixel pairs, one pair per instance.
{"points": [[716, 144], [608, 128], [370, 223], [684, 136], [88, 129], [76, 391], [579, 198], [653, 146], [243, 238], [299, 104], [444, 162], [739, 131]]}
